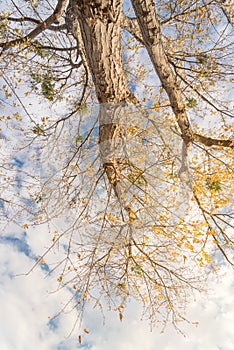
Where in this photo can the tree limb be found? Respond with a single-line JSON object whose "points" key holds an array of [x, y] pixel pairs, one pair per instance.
{"points": [[151, 33], [54, 18], [131, 25], [208, 141]]}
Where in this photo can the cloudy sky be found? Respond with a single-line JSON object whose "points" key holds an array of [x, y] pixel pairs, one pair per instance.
{"points": [[28, 303]]}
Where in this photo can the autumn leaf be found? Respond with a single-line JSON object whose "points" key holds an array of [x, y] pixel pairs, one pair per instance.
{"points": [[132, 215], [60, 278], [25, 226], [84, 295]]}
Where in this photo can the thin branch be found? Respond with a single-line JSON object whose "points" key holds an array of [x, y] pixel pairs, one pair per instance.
{"points": [[33, 20]]}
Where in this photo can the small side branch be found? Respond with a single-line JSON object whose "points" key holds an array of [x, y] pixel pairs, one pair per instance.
{"points": [[131, 25], [208, 141]]}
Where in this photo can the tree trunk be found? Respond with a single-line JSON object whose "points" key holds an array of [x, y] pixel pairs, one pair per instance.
{"points": [[98, 24]]}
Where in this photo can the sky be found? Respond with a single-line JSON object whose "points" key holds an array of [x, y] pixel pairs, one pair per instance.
{"points": [[29, 302]]}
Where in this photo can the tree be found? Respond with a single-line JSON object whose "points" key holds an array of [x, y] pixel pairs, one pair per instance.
{"points": [[148, 197]]}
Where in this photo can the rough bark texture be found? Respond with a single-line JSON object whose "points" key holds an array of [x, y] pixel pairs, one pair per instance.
{"points": [[150, 29], [97, 24], [131, 25]]}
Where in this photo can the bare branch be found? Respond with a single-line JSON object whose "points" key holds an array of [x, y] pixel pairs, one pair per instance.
{"points": [[150, 29], [209, 141], [131, 25], [41, 27]]}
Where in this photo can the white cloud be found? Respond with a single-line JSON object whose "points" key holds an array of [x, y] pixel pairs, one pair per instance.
{"points": [[215, 313], [26, 306]]}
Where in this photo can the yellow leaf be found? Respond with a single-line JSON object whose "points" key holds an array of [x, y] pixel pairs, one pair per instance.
{"points": [[159, 296], [56, 234], [188, 245], [25, 226], [43, 262], [156, 230], [132, 215], [60, 278], [84, 295]]}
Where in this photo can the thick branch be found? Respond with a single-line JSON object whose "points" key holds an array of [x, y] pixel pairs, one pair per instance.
{"points": [[150, 29], [208, 141], [54, 18], [131, 25]]}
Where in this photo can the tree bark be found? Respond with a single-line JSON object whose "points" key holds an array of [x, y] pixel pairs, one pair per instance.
{"points": [[150, 29], [97, 24]]}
